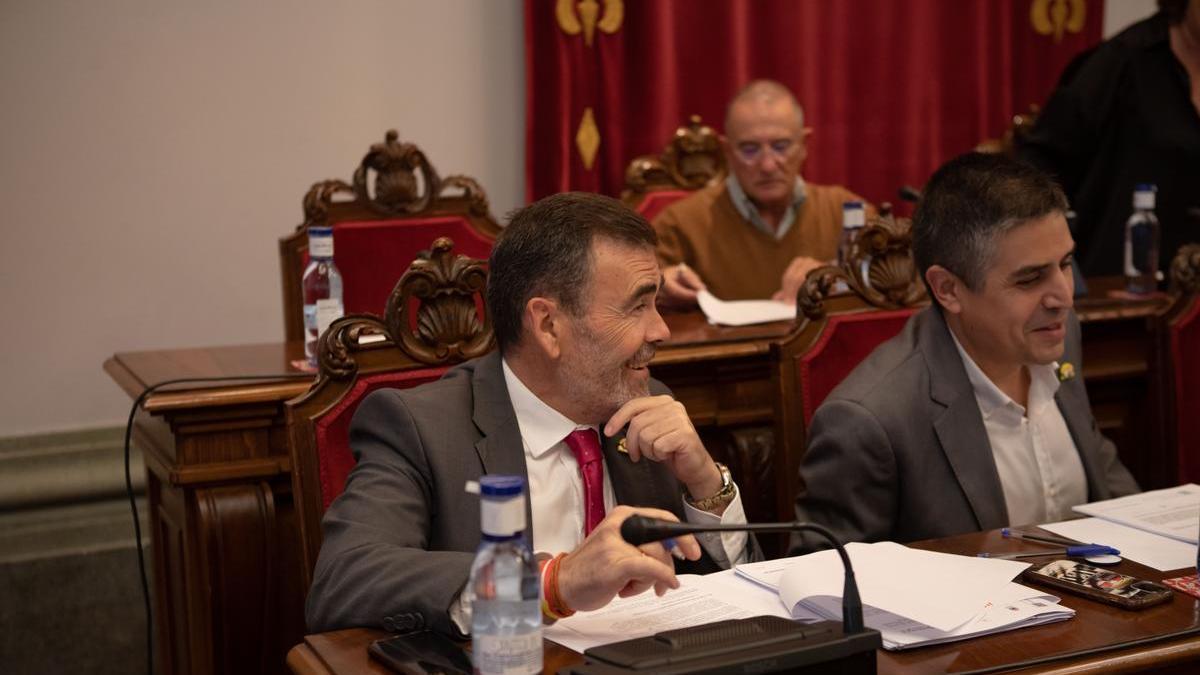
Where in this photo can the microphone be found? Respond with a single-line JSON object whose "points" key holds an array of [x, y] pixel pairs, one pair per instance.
{"points": [[638, 530]]}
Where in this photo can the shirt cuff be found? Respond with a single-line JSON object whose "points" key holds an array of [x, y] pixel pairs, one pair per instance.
{"points": [[725, 548], [460, 614]]}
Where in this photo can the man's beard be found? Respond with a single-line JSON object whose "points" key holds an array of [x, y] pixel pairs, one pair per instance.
{"points": [[597, 384]]}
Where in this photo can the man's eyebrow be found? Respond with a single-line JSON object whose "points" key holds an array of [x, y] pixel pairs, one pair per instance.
{"points": [[648, 288], [1033, 269]]}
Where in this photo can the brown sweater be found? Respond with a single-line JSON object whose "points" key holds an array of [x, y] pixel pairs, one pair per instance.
{"points": [[736, 260]]}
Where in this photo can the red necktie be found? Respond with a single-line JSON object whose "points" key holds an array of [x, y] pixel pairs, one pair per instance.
{"points": [[585, 446]]}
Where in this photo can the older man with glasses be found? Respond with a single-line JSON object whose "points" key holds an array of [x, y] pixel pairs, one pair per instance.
{"points": [[761, 231]]}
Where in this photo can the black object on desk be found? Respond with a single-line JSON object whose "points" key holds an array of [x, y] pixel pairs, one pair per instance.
{"points": [[421, 653]]}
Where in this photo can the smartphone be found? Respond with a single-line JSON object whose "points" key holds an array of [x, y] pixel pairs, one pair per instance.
{"points": [[421, 653], [1099, 584]]}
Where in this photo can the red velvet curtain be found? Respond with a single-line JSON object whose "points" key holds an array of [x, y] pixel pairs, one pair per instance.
{"points": [[892, 88]]}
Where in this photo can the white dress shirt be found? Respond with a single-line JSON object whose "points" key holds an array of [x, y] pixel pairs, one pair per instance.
{"points": [[1039, 466], [556, 488]]}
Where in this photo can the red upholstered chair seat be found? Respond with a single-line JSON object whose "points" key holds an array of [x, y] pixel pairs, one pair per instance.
{"points": [[332, 430], [845, 342], [653, 203], [1185, 364]]}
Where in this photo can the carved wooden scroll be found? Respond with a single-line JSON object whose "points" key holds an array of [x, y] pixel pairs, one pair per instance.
{"points": [[692, 160], [879, 269], [1185, 269], [432, 316]]}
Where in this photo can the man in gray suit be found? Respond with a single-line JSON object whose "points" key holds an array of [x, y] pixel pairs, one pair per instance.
{"points": [[571, 294], [974, 416]]}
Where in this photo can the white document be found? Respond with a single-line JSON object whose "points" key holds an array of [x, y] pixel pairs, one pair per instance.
{"points": [[940, 590], [744, 312], [1152, 550], [698, 600], [1171, 512]]}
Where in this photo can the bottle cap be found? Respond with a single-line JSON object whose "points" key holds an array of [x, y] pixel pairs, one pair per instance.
{"points": [[853, 214], [1143, 196], [320, 242], [501, 509]]}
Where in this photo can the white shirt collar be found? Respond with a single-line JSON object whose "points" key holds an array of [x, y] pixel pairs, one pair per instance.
{"points": [[542, 427], [1043, 385]]}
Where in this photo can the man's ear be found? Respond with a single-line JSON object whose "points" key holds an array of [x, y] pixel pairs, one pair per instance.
{"points": [[946, 287], [544, 323]]}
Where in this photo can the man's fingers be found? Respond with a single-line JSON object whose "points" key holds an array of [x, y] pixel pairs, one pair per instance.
{"points": [[631, 409]]}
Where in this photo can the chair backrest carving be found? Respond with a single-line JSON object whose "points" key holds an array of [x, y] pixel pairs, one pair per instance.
{"points": [[435, 318], [395, 203], [843, 313], [1018, 129], [691, 160]]}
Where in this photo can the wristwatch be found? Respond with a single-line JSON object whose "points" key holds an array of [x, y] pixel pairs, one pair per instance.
{"points": [[721, 498]]}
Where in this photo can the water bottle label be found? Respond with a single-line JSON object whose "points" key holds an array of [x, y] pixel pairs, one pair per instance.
{"points": [[853, 218], [502, 517], [508, 654], [320, 247], [328, 311]]}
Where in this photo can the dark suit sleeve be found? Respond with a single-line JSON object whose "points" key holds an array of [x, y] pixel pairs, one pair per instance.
{"points": [[374, 563], [849, 477]]}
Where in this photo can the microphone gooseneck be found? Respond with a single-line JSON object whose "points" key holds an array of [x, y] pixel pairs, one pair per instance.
{"points": [[638, 530]]}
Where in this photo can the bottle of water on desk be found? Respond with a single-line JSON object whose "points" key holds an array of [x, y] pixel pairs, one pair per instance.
{"points": [[1141, 243], [322, 288], [854, 218], [504, 589]]}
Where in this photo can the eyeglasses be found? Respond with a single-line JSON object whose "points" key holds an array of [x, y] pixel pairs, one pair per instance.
{"points": [[752, 151]]}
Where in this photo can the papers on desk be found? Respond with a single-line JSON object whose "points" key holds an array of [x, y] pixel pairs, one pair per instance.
{"points": [[1152, 550], [912, 597], [1170, 512], [744, 312]]}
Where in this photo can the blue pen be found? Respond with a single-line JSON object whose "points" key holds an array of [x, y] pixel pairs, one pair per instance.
{"points": [[1078, 551], [673, 549]]}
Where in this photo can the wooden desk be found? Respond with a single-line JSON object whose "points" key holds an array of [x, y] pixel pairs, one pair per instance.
{"points": [[228, 595], [1167, 637], [225, 543]]}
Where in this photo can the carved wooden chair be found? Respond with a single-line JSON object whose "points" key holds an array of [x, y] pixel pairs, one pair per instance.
{"points": [[1176, 368], [692, 159], [435, 317], [843, 313], [1018, 129], [393, 207]]}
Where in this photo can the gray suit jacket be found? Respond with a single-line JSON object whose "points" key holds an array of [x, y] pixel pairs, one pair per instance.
{"points": [[399, 541], [899, 451]]}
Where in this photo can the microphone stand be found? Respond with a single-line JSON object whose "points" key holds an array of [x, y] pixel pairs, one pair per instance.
{"points": [[639, 530]]}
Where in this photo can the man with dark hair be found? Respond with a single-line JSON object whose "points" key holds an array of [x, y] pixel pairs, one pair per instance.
{"points": [[567, 402], [972, 418], [1125, 114], [758, 233]]}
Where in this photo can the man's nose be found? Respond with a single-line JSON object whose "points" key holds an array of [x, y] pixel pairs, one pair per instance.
{"points": [[1061, 294]]}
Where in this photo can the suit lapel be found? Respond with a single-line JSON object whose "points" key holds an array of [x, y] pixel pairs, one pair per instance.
{"points": [[1077, 414], [959, 425], [499, 447]]}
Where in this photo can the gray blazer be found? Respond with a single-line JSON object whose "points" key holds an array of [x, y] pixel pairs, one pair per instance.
{"points": [[399, 541], [899, 451]]}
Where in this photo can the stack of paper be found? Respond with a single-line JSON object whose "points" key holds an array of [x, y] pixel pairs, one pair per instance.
{"points": [[1171, 512], [744, 312], [912, 597]]}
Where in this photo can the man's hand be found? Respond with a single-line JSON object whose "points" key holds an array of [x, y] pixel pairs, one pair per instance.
{"points": [[680, 286], [605, 565], [793, 278], [660, 430]]}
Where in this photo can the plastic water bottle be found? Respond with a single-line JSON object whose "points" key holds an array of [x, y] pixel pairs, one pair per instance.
{"points": [[322, 287], [854, 217], [505, 588], [1141, 243]]}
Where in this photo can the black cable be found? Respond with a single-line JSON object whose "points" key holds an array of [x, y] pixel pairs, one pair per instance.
{"points": [[137, 525]]}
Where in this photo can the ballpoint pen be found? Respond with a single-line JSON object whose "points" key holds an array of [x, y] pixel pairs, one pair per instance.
{"points": [[673, 549], [1078, 551], [1040, 538]]}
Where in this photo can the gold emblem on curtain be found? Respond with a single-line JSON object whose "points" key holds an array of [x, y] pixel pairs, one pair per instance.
{"points": [[587, 139], [572, 22], [1053, 17]]}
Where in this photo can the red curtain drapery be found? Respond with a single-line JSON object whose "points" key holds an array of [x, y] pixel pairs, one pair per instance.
{"points": [[891, 88]]}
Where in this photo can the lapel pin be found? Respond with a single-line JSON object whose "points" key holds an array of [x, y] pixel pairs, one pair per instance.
{"points": [[621, 446], [1066, 371]]}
